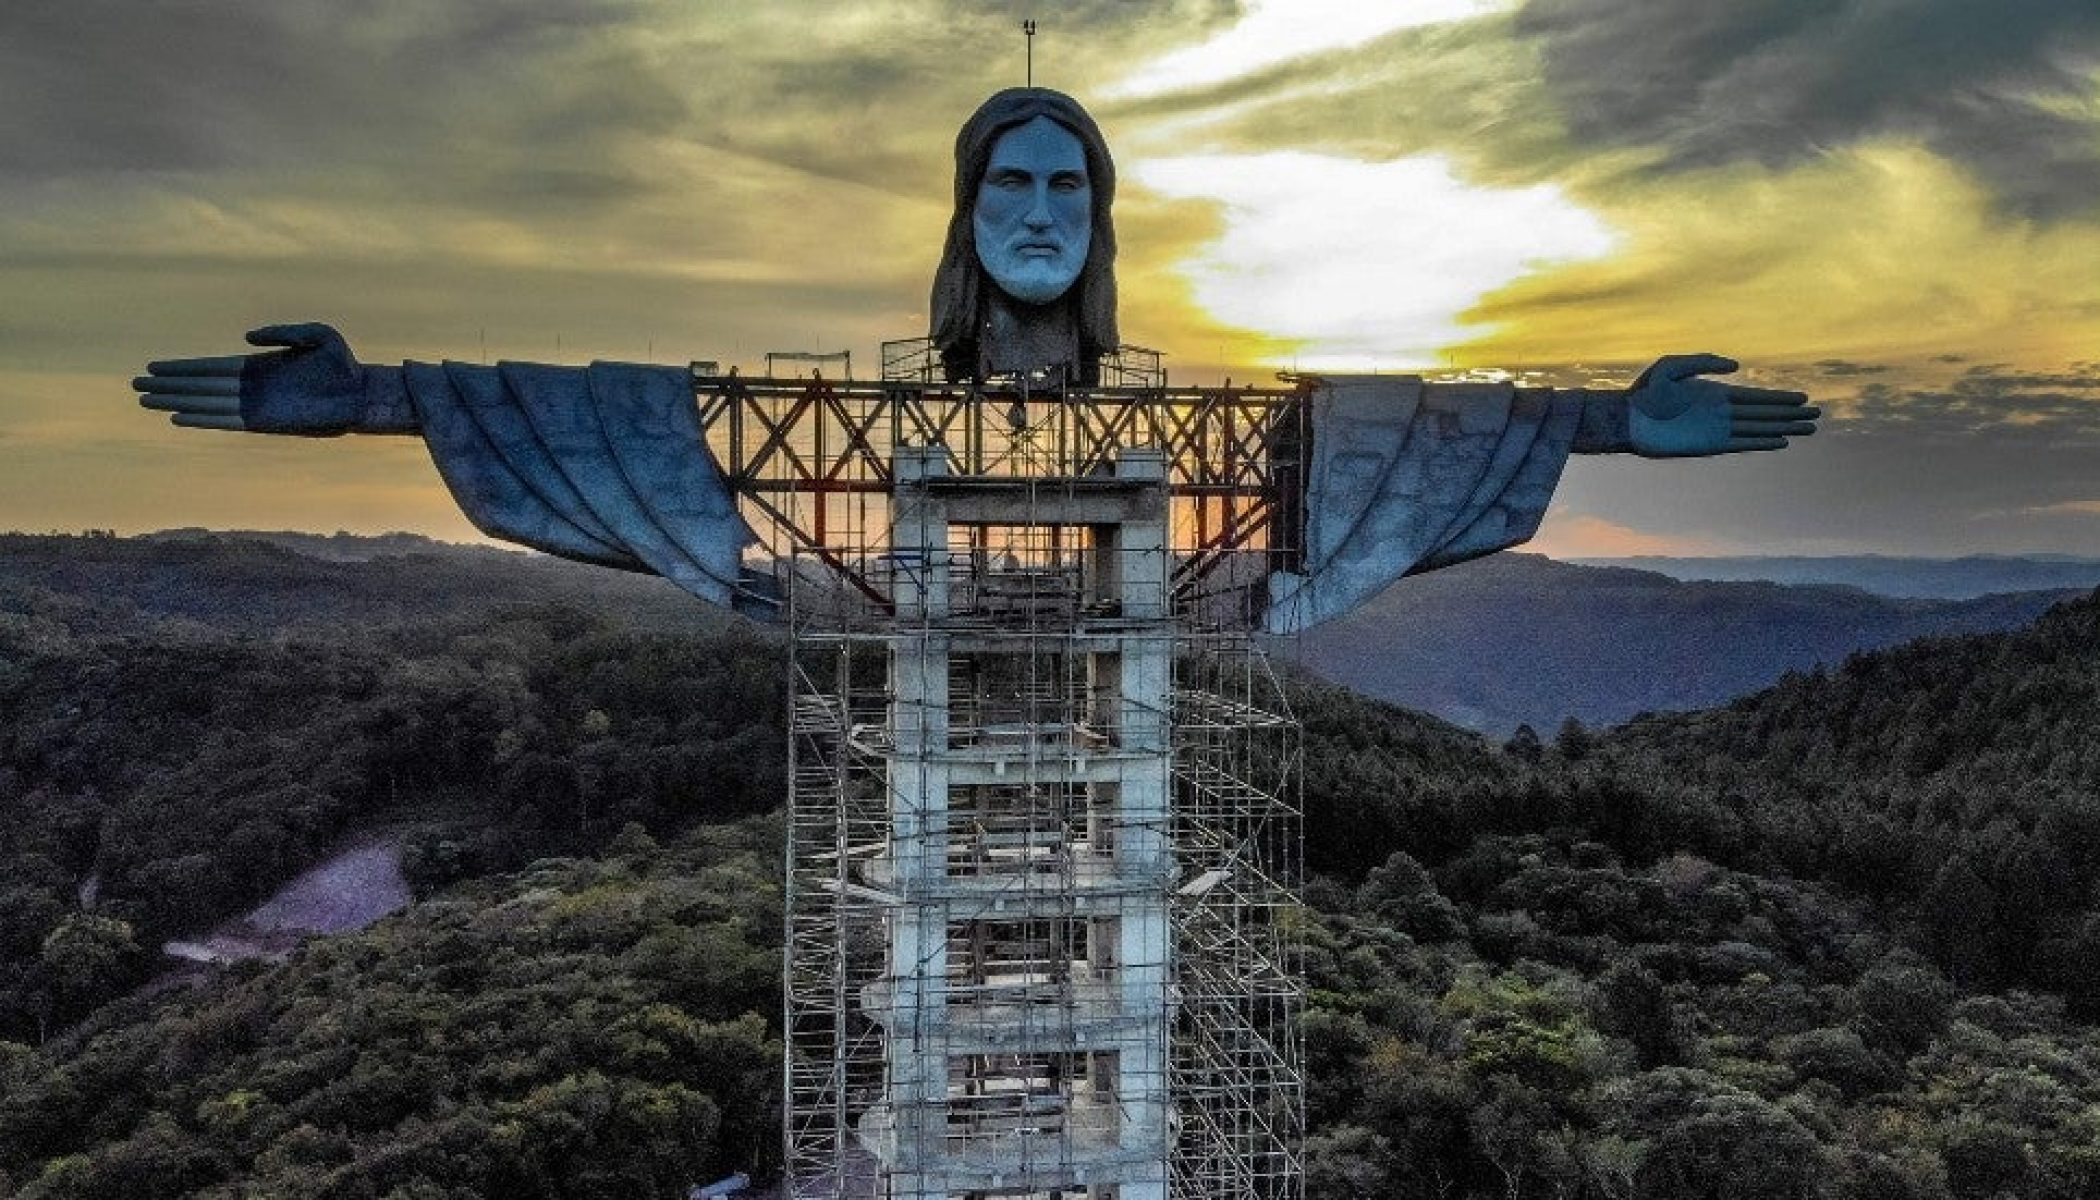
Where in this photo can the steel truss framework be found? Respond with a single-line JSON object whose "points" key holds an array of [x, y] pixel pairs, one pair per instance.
{"points": [[811, 458], [1044, 830]]}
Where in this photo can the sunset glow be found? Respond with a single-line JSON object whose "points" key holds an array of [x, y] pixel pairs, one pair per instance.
{"points": [[1563, 187]]}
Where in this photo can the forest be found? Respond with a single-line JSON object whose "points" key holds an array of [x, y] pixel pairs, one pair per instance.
{"points": [[1839, 938]]}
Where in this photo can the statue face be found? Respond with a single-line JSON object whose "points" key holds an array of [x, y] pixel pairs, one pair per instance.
{"points": [[1034, 219]]}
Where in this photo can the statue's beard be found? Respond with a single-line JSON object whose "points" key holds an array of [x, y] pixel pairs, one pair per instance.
{"points": [[1034, 266], [1036, 280]]}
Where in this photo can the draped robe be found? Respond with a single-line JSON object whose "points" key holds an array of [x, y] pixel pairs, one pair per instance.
{"points": [[1406, 476], [608, 464], [604, 464]]}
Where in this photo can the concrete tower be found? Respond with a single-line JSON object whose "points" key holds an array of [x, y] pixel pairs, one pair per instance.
{"points": [[1042, 827]]}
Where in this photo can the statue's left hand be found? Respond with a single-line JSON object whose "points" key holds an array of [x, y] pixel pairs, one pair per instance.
{"points": [[1672, 413], [305, 382]]}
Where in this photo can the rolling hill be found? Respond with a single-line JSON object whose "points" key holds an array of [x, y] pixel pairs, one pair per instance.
{"points": [[1965, 578], [1519, 639]]}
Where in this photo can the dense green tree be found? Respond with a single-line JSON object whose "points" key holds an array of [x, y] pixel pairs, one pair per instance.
{"points": [[499, 1040], [1401, 893], [1831, 941], [86, 957]]}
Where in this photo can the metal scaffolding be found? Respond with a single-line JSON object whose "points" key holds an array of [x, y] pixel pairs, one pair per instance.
{"points": [[1044, 819]]}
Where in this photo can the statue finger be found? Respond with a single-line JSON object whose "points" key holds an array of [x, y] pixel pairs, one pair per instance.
{"points": [[1738, 394], [223, 364], [303, 335], [1773, 412], [1755, 443], [209, 405], [1684, 366], [209, 421], [199, 385], [1772, 428]]}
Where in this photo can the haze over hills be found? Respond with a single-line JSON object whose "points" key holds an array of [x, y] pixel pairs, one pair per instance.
{"points": [[1519, 639], [339, 547], [1922, 578], [1488, 645], [266, 583]]}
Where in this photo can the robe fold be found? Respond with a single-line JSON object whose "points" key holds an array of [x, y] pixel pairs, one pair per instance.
{"points": [[1405, 477], [607, 464], [603, 464]]}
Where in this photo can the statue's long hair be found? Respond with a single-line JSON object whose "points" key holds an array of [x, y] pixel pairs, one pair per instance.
{"points": [[959, 286]]}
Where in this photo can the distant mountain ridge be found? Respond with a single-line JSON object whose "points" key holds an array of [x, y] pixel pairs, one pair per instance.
{"points": [[1964, 578], [1514, 639], [1521, 639], [336, 547], [267, 583]]}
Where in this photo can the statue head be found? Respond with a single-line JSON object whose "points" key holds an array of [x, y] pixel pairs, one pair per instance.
{"points": [[1033, 222], [1031, 227]]}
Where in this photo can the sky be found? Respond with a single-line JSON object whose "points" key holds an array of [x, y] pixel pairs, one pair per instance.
{"points": [[1891, 204]]}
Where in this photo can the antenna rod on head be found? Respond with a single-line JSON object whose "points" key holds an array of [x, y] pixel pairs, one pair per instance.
{"points": [[1028, 33]]}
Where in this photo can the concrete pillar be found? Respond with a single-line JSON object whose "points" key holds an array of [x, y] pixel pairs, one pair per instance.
{"points": [[1128, 646]]}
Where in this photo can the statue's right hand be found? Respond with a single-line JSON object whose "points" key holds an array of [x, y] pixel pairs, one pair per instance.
{"points": [[308, 383]]}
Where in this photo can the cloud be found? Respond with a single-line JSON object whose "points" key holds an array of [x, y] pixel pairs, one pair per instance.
{"points": [[2059, 409], [2005, 89], [799, 142], [1842, 207], [101, 85], [1838, 368], [1369, 264], [1883, 250], [1465, 89], [2080, 508], [1274, 31]]}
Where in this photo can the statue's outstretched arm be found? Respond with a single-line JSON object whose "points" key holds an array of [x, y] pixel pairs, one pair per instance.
{"points": [[306, 383], [1671, 412], [605, 464]]}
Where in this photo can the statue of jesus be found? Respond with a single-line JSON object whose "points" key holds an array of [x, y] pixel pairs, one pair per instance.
{"points": [[608, 463]]}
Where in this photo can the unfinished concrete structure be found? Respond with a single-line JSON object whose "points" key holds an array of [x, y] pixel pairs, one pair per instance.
{"points": [[1044, 824]]}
